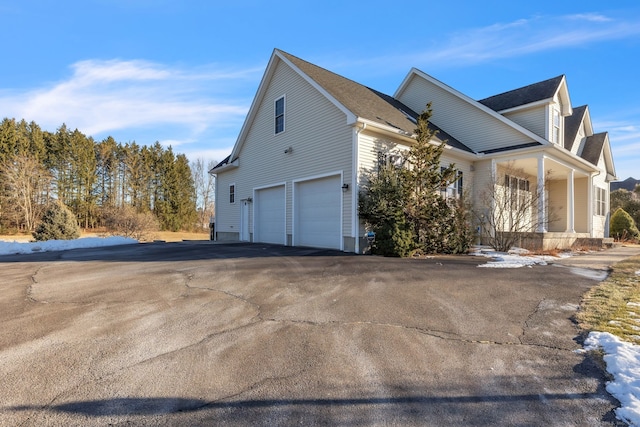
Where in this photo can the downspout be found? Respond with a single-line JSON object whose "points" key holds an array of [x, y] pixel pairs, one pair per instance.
{"points": [[356, 188]]}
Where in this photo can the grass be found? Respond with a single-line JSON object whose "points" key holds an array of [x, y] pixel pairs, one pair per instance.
{"points": [[614, 305], [167, 236]]}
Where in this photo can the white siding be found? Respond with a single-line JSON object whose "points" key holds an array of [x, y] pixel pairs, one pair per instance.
{"points": [[600, 223], [477, 129], [315, 129], [532, 119]]}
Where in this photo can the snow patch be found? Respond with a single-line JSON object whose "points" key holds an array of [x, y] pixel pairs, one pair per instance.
{"points": [[16, 247], [623, 363], [515, 258]]}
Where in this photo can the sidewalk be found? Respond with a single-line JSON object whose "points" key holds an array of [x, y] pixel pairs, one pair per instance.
{"points": [[602, 260]]}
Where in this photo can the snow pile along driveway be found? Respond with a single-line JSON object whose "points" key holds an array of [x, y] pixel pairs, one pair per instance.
{"points": [[623, 362], [10, 248]]}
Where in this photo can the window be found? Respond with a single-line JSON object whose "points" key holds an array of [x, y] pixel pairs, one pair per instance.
{"points": [[453, 190], [518, 192], [556, 127], [389, 159], [279, 114], [232, 193], [600, 199]]}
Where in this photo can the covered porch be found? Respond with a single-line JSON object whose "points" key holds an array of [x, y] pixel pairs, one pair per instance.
{"points": [[562, 207]]}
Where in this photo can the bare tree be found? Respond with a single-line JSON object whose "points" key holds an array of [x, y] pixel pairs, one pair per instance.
{"points": [[27, 184], [205, 186], [509, 208]]}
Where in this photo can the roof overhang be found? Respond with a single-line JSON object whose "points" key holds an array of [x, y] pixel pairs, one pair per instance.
{"points": [[231, 165]]}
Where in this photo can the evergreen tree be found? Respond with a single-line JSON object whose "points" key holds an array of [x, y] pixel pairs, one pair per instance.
{"points": [[623, 227], [405, 206], [58, 223]]}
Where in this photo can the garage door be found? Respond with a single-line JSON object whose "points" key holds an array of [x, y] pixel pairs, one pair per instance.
{"points": [[318, 212], [269, 211]]}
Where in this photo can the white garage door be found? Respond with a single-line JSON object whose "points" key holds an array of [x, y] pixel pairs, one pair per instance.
{"points": [[317, 212], [269, 211]]}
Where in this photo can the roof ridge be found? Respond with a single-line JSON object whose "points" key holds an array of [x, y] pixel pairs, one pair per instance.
{"points": [[525, 87]]}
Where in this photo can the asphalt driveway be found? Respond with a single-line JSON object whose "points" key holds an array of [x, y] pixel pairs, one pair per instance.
{"points": [[206, 334]]}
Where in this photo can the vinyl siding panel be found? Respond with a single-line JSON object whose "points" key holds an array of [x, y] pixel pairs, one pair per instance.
{"points": [[557, 203], [532, 119], [475, 128], [481, 184], [315, 129], [581, 206], [600, 223]]}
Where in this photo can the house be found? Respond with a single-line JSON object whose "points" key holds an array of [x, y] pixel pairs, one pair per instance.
{"points": [[311, 135]]}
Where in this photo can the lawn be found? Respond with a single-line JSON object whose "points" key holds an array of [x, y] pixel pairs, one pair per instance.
{"points": [[614, 305]]}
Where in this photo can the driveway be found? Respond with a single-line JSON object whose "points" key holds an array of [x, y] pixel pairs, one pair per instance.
{"points": [[198, 333]]}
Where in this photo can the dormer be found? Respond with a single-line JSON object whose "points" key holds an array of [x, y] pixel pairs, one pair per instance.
{"points": [[540, 107], [557, 110]]}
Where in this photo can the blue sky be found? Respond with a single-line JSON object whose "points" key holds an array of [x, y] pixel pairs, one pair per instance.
{"points": [[185, 72]]}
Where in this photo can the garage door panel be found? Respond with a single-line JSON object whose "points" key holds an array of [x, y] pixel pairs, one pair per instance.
{"points": [[318, 212], [269, 212]]}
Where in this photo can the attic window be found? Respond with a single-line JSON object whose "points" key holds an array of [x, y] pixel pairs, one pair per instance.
{"points": [[556, 127], [279, 115]]}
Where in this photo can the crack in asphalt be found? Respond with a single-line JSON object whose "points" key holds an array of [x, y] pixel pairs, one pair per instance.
{"points": [[444, 335], [525, 325]]}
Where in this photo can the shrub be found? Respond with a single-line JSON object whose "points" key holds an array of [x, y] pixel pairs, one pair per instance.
{"points": [[125, 221], [622, 226], [58, 223]]}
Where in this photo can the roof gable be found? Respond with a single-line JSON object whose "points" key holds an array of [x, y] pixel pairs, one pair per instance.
{"points": [[362, 101], [530, 94], [597, 146], [572, 124], [357, 101]]}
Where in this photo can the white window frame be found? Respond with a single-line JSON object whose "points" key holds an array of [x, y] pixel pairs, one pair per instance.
{"points": [[600, 200], [455, 189], [556, 126], [232, 193], [282, 115]]}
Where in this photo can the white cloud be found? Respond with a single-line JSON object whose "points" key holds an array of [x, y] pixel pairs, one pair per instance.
{"points": [[526, 36], [101, 97]]}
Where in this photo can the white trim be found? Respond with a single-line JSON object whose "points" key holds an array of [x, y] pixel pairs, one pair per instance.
{"points": [[284, 114], [339, 173], [252, 228], [235, 191]]}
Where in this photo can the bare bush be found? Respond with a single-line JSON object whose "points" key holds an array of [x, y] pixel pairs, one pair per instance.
{"points": [[127, 222], [509, 208]]}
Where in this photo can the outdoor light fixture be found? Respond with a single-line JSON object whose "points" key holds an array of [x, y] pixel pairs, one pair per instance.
{"points": [[345, 187]]}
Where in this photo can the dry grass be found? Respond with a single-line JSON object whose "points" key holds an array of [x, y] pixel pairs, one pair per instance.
{"points": [[167, 236], [614, 305]]}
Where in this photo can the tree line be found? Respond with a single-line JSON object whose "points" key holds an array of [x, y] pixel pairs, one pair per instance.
{"points": [[93, 179]]}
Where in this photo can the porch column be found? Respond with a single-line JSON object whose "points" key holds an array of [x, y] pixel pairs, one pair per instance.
{"points": [[542, 203], [570, 203], [590, 205]]}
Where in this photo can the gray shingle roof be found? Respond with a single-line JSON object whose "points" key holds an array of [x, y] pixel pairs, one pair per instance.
{"points": [[524, 95], [593, 147], [572, 124], [368, 103]]}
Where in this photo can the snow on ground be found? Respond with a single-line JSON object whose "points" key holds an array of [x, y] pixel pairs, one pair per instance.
{"points": [[515, 258], [623, 363], [16, 247]]}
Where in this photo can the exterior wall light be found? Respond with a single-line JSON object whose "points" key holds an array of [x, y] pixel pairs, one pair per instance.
{"points": [[345, 187]]}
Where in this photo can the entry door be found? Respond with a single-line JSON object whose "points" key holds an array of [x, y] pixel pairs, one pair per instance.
{"points": [[244, 221]]}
